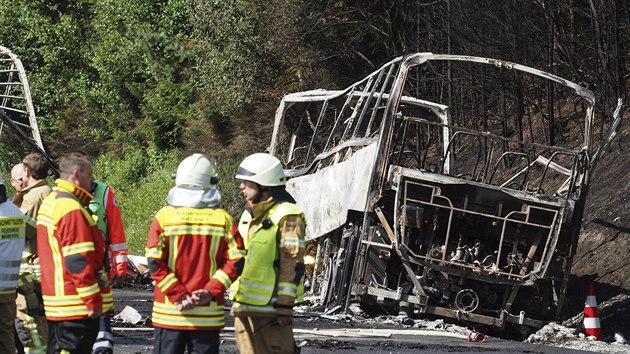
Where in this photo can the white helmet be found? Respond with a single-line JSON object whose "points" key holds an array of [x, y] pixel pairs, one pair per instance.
{"points": [[263, 169], [197, 170]]}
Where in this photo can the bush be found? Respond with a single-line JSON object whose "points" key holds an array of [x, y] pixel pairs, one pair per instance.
{"points": [[141, 180], [231, 197], [140, 204]]}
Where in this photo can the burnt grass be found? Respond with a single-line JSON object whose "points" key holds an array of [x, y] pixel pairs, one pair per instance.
{"points": [[603, 253]]}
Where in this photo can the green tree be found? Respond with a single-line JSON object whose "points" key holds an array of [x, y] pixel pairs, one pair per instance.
{"points": [[143, 64], [48, 37]]}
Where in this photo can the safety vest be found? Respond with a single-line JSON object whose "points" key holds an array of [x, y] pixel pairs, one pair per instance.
{"points": [[12, 233], [97, 206], [258, 283]]}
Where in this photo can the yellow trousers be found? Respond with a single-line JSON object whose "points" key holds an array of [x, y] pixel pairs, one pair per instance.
{"points": [[262, 336]]}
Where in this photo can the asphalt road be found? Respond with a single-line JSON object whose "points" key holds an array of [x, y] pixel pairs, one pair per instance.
{"points": [[319, 335]]}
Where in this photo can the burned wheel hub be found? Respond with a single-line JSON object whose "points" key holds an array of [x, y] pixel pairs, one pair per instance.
{"points": [[467, 300]]}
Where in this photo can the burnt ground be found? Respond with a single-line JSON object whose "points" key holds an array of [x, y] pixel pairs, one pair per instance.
{"points": [[317, 333], [603, 254]]}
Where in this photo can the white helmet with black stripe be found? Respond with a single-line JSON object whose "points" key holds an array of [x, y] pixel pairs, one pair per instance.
{"points": [[263, 169]]}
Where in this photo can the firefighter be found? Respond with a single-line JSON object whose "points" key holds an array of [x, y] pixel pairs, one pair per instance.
{"points": [[30, 325], [106, 212], [12, 233], [192, 250], [272, 280], [71, 249]]}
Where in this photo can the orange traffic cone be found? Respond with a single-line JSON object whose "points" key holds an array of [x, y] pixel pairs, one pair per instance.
{"points": [[591, 319]]}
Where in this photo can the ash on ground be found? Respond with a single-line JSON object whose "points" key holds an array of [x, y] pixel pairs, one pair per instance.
{"points": [[568, 335]]}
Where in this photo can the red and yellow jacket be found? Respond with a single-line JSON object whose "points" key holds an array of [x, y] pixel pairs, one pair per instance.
{"points": [[190, 249], [71, 252]]}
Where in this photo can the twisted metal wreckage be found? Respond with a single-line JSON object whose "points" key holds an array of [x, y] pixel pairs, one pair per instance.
{"points": [[468, 209], [17, 113]]}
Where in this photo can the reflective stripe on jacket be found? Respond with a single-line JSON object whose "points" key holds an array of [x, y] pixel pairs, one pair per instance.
{"points": [[190, 249], [29, 200], [71, 255]]}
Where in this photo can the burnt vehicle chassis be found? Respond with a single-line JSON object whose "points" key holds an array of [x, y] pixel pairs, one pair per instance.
{"points": [[442, 184], [17, 113]]}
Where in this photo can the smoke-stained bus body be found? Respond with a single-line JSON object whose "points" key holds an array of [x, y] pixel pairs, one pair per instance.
{"points": [[442, 184]]}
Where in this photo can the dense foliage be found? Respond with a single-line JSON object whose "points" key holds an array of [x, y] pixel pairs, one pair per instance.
{"points": [[140, 83], [142, 180], [184, 74]]}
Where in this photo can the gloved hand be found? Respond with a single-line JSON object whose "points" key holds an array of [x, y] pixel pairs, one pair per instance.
{"points": [[103, 280], [32, 303], [26, 287]]}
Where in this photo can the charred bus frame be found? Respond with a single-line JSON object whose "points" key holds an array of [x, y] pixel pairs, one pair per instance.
{"points": [[442, 184]]}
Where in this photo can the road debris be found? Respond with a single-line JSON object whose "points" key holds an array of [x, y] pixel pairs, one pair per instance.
{"points": [[474, 336], [129, 315], [565, 337]]}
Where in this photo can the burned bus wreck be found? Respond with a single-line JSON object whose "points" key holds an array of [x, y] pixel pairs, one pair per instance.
{"points": [[442, 184], [17, 114]]}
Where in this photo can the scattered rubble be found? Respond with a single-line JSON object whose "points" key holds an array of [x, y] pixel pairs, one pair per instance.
{"points": [[619, 339], [553, 334], [342, 332], [560, 336], [357, 324]]}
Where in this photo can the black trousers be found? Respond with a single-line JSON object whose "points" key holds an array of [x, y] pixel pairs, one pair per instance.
{"points": [[171, 341], [105, 340], [74, 337]]}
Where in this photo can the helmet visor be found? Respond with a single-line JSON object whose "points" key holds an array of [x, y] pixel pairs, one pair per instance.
{"points": [[243, 173]]}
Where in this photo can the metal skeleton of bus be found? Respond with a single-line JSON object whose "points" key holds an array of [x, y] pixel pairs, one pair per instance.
{"points": [[17, 114], [464, 210]]}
